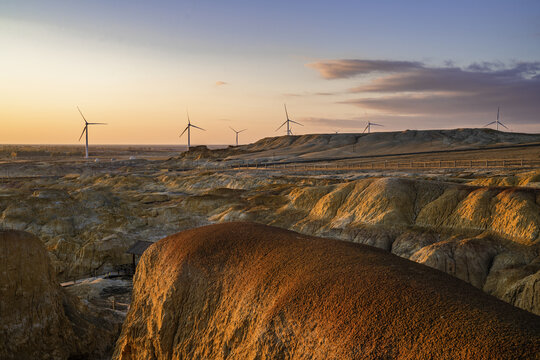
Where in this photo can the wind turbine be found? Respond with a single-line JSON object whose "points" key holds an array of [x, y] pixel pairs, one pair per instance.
{"points": [[85, 130], [237, 132], [369, 125], [188, 127], [497, 122], [288, 121]]}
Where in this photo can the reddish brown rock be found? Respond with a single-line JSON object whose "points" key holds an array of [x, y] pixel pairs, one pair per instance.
{"points": [[249, 291]]}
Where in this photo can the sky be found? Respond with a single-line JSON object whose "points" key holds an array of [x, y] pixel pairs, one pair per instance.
{"points": [[140, 66]]}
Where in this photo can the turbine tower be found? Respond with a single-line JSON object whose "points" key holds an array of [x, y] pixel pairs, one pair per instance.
{"points": [[288, 121], [85, 130], [368, 127], [188, 129], [237, 132], [497, 122]]}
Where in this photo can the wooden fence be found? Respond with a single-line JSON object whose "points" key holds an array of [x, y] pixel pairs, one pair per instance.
{"points": [[389, 165]]}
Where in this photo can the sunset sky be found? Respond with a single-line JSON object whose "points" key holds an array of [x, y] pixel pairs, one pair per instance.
{"points": [[139, 65]]}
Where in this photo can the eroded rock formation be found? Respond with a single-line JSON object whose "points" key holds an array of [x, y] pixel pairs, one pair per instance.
{"points": [[38, 320], [248, 291], [488, 236]]}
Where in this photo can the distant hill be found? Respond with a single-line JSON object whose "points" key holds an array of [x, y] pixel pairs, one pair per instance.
{"points": [[380, 143]]}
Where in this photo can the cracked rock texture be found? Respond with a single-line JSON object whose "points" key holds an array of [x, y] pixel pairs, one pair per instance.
{"points": [[249, 291]]}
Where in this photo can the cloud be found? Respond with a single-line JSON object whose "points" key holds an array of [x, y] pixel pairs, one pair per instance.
{"points": [[340, 69], [456, 80], [220, 83], [471, 92]]}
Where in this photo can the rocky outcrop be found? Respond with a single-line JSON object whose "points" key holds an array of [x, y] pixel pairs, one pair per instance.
{"points": [[513, 213], [88, 222], [527, 178], [38, 320], [248, 291], [461, 230], [203, 152]]}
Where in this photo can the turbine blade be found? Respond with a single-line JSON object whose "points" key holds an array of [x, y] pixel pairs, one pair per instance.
{"points": [[491, 123], [83, 132], [97, 123], [500, 123], [188, 117], [281, 126], [232, 129], [296, 122], [286, 113], [365, 128], [242, 130], [197, 127], [376, 124], [80, 112], [184, 131]]}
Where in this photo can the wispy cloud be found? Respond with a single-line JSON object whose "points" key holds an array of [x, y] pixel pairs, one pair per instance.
{"points": [[414, 89], [339, 69], [474, 79], [221, 83]]}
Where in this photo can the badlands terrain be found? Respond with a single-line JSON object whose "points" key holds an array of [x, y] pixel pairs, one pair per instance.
{"points": [[474, 220]]}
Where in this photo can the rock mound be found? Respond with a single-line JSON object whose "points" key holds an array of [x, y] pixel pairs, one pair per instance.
{"points": [[37, 319], [249, 291], [203, 152]]}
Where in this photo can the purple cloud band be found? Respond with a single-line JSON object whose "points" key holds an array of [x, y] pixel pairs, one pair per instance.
{"points": [[414, 89]]}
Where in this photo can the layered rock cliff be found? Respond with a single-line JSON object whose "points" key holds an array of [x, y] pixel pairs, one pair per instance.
{"points": [[248, 291]]}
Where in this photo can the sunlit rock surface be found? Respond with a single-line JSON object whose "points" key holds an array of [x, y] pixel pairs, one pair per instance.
{"points": [[248, 291]]}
